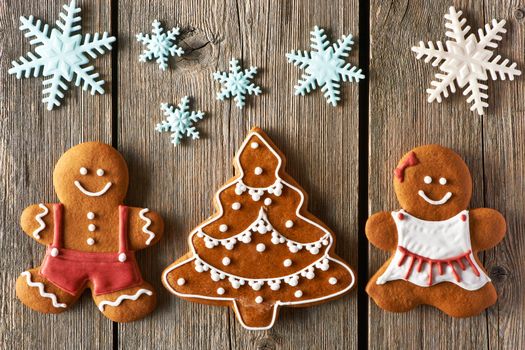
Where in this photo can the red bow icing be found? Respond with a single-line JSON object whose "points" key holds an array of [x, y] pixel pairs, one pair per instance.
{"points": [[411, 160]]}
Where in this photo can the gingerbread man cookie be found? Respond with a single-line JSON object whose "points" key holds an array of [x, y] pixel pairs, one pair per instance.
{"points": [[91, 238], [434, 238], [262, 249]]}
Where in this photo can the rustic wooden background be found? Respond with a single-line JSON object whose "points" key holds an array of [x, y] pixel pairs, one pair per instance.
{"points": [[342, 156]]}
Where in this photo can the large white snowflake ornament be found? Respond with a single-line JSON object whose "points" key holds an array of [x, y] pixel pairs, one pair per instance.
{"points": [[466, 61], [61, 55], [179, 121], [160, 45], [325, 66], [236, 83]]}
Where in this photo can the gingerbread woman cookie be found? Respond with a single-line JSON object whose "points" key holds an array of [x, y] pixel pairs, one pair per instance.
{"points": [[434, 238], [262, 249], [91, 238]]}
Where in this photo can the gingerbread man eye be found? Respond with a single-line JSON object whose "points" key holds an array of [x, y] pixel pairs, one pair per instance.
{"points": [[427, 179], [443, 181], [100, 172], [83, 171]]}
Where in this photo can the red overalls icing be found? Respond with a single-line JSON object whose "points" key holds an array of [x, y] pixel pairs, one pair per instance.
{"points": [[71, 269]]}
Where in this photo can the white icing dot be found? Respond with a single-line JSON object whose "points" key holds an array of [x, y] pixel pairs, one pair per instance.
{"points": [[90, 241], [223, 228], [332, 280], [90, 215], [258, 170], [83, 171], [220, 291], [288, 224], [267, 201], [54, 252], [443, 181], [254, 145], [287, 262], [260, 247], [427, 179], [100, 172], [181, 281], [298, 294], [236, 206], [259, 299], [122, 257], [226, 261], [91, 227]]}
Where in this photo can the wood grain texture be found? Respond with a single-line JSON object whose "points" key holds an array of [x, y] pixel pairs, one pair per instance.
{"points": [[320, 142], [31, 141], [400, 118]]}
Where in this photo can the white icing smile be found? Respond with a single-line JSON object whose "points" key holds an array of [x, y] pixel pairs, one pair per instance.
{"points": [[443, 200], [93, 194]]}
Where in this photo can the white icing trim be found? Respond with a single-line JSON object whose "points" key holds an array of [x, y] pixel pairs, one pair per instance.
{"points": [[443, 200], [38, 218], [146, 225], [219, 215], [41, 290], [123, 297], [262, 225], [257, 192], [93, 194]]}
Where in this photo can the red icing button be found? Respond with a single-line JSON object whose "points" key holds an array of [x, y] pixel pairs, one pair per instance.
{"points": [[400, 216], [463, 217]]}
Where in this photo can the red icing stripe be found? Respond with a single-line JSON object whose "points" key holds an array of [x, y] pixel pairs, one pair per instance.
{"points": [[411, 160]]}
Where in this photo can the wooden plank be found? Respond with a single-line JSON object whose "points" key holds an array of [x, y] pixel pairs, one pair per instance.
{"points": [[31, 141], [504, 166], [320, 141], [401, 118]]}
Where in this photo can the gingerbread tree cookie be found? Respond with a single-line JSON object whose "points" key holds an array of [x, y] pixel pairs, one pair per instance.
{"points": [[434, 238], [262, 249], [91, 238]]}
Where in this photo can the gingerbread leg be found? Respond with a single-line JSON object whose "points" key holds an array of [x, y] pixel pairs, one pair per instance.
{"points": [[256, 316], [129, 304], [36, 292], [458, 302], [394, 296]]}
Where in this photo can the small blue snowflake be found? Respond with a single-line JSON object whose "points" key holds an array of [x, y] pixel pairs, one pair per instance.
{"points": [[237, 83], [160, 45], [61, 55], [179, 121], [324, 66]]}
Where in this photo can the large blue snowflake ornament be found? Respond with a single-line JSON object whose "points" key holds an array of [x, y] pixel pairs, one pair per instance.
{"points": [[61, 55], [325, 66], [160, 45], [237, 83], [179, 121]]}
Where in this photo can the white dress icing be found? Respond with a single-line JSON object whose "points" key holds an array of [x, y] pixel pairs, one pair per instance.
{"points": [[431, 252]]}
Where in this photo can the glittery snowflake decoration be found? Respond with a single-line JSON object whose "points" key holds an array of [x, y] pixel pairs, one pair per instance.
{"points": [[325, 66], [61, 55], [160, 45], [236, 83], [179, 121], [466, 61]]}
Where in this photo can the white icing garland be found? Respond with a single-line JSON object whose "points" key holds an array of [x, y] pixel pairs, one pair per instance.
{"points": [[262, 225], [256, 284], [41, 290], [123, 297], [146, 225], [38, 218], [257, 192]]}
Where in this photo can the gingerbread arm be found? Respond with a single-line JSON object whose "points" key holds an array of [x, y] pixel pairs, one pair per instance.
{"points": [[38, 223], [146, 228], [487, 228], [381, 231]]}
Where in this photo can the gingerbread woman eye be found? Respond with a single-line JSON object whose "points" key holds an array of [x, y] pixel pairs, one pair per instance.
{"points": [[427, 179], [443, 181], [83, 171], [100, 172]]}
